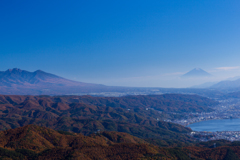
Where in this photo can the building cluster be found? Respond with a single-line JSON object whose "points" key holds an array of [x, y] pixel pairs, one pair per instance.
{"points": [[207, 136], [227, 109]]}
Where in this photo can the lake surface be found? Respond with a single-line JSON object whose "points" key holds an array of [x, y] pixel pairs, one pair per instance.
{"points": [[216, 125]]}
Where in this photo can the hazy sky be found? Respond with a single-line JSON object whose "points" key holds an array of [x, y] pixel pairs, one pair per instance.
{"points": [[120, 42]]}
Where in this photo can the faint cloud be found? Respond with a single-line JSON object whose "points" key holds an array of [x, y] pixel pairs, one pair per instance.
{"points": [[227, 68], [174, 74], [149, 79]]}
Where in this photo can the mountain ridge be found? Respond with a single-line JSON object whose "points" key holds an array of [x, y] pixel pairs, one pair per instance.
{"points": [[22, 77], [17, 81]]}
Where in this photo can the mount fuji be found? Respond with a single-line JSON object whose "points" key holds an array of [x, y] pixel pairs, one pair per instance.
{"points": [[197, 72]]}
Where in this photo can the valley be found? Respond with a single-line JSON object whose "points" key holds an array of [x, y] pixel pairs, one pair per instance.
{"points": [[151, 122]]}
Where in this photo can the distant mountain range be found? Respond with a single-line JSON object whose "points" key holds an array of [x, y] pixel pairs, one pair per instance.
{"points": [[227, 84], [20, 82], [196, 72], [204, 85], [17, 81], [231, 84]]}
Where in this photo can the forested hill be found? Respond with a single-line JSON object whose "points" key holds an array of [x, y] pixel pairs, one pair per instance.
{"points": [[166, 102], [140, 116], [33, 142]]}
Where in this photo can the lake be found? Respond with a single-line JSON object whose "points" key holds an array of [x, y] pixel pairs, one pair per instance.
{"points": [[216, 125]]}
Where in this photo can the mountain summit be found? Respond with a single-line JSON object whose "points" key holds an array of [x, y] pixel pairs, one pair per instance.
{"points": [[197, 72]]}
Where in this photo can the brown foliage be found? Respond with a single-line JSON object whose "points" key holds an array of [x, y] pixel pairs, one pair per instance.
{"points": [[51, 144]]}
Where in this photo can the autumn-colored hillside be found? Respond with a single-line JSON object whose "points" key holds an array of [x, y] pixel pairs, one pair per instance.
{"points": [[38, 138], [139, 116], [35, 142], [50, 144]]}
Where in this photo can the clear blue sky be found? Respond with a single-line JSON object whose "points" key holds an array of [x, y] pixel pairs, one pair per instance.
{"points": [[131, 43]]}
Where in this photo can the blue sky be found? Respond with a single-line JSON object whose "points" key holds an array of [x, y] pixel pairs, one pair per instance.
{"points": [[128, 43]]}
